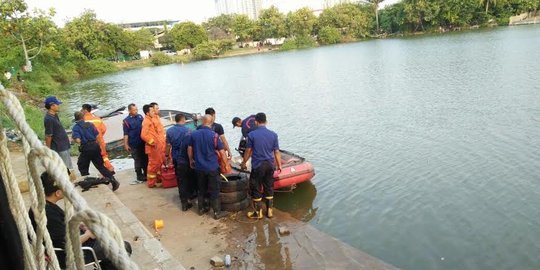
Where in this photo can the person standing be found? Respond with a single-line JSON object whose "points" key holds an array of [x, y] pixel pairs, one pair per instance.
{"points": [[263, 149], [248, 125], [178, 137], [101, 128], [56, 137], [203, 158], [132, 126], [218, 128], [154, 147], [86, 134]]}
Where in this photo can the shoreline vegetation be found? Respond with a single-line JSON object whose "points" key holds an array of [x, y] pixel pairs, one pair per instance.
{"points": [[42, 57]]}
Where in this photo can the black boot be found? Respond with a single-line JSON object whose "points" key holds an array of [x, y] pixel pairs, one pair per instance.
{"points": [[269, 208], [200, 205], [140, 175], [115, 184], [216, 206], [185, 204], [257, 213]]}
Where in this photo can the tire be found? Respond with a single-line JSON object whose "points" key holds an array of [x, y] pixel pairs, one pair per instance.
{"points": [[235, 207], [233, 197], [237, 182]]}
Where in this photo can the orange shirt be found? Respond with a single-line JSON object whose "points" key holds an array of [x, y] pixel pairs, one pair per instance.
{"points": [[100, 125]]}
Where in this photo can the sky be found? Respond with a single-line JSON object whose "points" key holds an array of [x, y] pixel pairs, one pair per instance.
{"points": [[126, 11]]}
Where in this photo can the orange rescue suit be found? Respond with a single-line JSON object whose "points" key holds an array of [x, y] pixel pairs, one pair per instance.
{"points": [[100, 126], [153, 134]]}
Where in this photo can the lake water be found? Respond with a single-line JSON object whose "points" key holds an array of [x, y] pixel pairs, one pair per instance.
{"points": [[427, 149]]}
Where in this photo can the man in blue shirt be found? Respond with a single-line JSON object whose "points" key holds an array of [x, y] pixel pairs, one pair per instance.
{"points": [[263, 149], [85, 134], [248, 125], [178, 137], [203, 158], [56, 137], [133, 143]]}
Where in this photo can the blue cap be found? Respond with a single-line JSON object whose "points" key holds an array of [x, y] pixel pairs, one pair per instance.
{"points": [[52, 100]]}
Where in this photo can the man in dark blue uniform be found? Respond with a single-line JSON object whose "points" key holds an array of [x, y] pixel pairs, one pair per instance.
{"points": [[203, 158], [263, 149], [133, 143], [248, 125], [85, 134], [178, 137], [218, 128]]}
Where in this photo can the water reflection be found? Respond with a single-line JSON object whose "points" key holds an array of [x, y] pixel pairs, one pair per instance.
{"points": [[299, 202]]}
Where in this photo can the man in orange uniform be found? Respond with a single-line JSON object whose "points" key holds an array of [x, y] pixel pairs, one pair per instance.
{"points": [[154, 137], [100, 126]]}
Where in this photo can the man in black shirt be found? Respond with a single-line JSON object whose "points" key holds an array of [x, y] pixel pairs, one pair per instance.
{"points": [[56, 137], [218, 128], [57, 227]]}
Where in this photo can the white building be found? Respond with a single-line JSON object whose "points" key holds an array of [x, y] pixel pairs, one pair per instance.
{"points": [[251, 8]]}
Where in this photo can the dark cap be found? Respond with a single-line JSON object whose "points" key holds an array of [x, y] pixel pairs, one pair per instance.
{"points": [[235, 120], [50, 100]]}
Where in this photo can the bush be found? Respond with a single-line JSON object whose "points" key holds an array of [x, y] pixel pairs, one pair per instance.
{"points": [[329, 35], [301, 42], [205, 50], [160, 58], [39, 82], [95, 67]]}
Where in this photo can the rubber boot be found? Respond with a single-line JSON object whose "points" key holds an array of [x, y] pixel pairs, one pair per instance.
{"points": [[216, 206], [140, 175], [185, 204], [257, 213], [115, 184], [200, 205], [269, 207]]}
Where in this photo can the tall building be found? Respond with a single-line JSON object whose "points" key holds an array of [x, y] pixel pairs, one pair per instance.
{"points": [[251, 8]]}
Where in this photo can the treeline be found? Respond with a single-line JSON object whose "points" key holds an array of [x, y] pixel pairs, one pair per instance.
{"points": [[86, 45]]}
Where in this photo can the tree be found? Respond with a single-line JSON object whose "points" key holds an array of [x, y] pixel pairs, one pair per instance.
{"points": [[187, 35], [301, 22], [224, 22], [375, 4], [329, 35], [420, 12], [29, 30], [243, 27], [271, 23], [143, 39], [392, 18], [353, 20], [487, 2], [86, 34]]}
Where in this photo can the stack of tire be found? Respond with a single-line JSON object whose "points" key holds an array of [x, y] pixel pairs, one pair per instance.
{"points": [[234, 193]]}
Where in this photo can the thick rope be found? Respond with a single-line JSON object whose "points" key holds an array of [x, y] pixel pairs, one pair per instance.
{"points": [[37, 154]]}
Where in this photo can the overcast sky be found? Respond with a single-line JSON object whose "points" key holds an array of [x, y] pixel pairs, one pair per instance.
{"points": [[125, 11]]}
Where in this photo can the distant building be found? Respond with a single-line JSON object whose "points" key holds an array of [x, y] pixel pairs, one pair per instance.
{"points": [[251, 8], [152, 24]]}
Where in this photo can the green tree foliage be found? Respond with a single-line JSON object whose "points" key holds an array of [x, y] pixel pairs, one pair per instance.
{"points": [[142, 39], [187, 35], [393, 19], [271, 23], [28, 31], [96, 39], [421, 13], [243, 27], [375, 4], [224, 22], [301, 22], [329, 35], [353, 20]]}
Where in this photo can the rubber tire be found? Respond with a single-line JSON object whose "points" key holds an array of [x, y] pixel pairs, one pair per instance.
{"points": [[236, 183], [235, 207], [233, 197]]}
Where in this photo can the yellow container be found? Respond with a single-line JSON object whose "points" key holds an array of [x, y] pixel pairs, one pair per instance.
{"points": [[158, 224]]}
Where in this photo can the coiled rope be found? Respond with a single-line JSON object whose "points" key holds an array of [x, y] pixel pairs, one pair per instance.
{"points": [[77, 210]]}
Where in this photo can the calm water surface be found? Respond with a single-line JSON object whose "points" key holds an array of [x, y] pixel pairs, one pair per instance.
{"points": [[426, 149]]}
